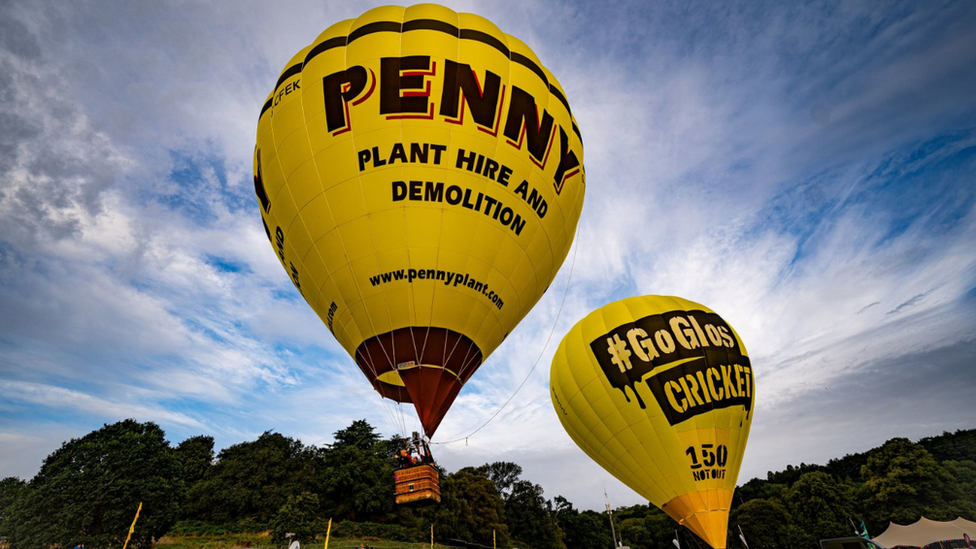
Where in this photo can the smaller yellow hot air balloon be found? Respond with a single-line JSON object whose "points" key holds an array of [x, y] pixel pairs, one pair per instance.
{"points": [[659, 391]]}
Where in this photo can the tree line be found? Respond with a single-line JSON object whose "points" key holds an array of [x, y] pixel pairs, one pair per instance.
{"points": [[87, 491]]}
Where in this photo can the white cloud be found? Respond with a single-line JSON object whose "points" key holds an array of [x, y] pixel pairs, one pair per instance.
{"points": [[49, 396], [737, 155]]}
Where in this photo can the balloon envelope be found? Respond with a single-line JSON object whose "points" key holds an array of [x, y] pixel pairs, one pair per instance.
{"points": [[420, 177], [659, 391]]}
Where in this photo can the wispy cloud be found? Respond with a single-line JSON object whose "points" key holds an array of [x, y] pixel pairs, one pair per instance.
{"points": [[804, 170], [48, 396]]}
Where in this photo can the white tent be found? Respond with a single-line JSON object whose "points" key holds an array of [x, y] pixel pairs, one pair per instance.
{"points": [[924, 532]]}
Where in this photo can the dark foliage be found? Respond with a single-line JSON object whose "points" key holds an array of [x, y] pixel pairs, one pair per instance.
{"points": [[582, 529], [88, 491], [10, 490], [958, 446], [297, 519], [471, 509], [197, 456], [356, 475], [253, 480]]}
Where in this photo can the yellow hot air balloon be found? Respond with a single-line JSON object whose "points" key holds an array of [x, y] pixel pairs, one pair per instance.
{"points": [[420, 177], [659, 391]]}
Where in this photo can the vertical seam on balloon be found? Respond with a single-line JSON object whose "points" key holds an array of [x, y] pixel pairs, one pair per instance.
{"points": [[386, 302], [449, 354], [554, 267], [328, 274], [410, 294], [677, 305], [368, 359], [500, 326], [445, 355], [464, 362], [364, 351], [285, 189]]}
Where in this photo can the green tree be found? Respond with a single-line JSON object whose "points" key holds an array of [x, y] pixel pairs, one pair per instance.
{"points": [[958, 446], [298, 517], [663, 528], [766, 523], [903, 482], [847, 468], [503, 474], [635, 534], [821, 506], [529, 517], [10, 490], [964, 475], [89, 489], [359, 435], [760, 489], [639, 526], [581, 530], [470, 509], [252, 480], [197, 455], [357, 475]]}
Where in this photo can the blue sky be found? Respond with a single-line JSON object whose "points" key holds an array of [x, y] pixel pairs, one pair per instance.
{"points": [[806, 170]]}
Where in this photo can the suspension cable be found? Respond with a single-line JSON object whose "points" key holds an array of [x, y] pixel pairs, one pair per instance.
{"points": [[541, 353]]}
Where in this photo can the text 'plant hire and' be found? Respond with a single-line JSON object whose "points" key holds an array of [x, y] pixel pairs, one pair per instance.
{"points": [[405, 92], [697, 363], [453, 194]]}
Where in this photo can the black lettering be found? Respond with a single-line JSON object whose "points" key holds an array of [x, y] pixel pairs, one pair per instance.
{"points": [[506, 215], [504, 174], [523, 114], [466, 203], [364, 156], [398, 153], [465, 161], [415, 189], [336, 99], [259, 184], [706, 377], [518, 224], [535, 200], [438, 149], [491, 168], [461, 86], [490, 202], [453, 195], [418, 153], [568, 162], [434, 192], [393, 83], [399, 191], [377, 161]]}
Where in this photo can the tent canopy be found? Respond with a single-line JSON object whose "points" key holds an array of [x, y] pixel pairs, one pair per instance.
{"points": [[924, 532]]}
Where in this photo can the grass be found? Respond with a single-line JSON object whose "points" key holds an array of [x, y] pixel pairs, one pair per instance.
{"points": [[262, 540]]}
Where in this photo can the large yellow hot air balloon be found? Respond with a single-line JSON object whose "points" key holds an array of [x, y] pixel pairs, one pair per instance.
{"points": [[659, 391], [420, 177]]}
